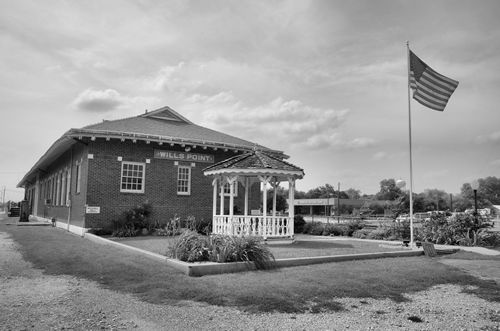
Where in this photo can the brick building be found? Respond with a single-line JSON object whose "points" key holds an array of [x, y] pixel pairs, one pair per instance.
{"points": [[90, 176]]}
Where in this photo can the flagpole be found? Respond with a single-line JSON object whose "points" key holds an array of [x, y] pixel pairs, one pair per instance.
{"points": [[409, 135]]}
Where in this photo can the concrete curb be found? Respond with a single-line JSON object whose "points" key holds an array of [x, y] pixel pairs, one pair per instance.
{"points": [[199, 269], [293, 262], [190, 269]]}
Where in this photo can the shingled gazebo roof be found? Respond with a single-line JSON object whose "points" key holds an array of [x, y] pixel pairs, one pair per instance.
{"points": [[255, 163]]}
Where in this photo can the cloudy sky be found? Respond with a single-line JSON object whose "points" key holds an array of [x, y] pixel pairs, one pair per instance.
{"points": [[324, 81]]}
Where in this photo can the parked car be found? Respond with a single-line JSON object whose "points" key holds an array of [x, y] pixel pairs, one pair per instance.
{"points": [[14, 210]]}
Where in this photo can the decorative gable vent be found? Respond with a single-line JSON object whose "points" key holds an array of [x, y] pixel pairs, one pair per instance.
{"points": [[166, 114]]}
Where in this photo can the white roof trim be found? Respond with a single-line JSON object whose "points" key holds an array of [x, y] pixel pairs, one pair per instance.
{"points": [[255, 172]]}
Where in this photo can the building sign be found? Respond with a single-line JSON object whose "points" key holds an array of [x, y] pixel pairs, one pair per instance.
{"points": [[183, 156], [92, 210]]}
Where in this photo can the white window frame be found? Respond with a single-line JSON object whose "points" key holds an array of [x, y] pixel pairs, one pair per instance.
{"points": [[78, 176], [143, 183], [58, 189], [179, 169], [63, 187], [227, 189], [68, 186]]}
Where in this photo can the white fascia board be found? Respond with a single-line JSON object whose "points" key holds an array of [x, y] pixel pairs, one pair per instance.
{"points": [[255, 172]]}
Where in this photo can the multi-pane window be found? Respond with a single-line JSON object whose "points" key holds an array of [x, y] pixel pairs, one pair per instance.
{"points": [[58, 190], [68, 186], [183, 180], [132, 179], [63, 188], [227, 189], [78, 176]]}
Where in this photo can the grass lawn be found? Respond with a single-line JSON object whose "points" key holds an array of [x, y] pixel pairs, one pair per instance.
{"points": [[303, 247], [297, 289]]}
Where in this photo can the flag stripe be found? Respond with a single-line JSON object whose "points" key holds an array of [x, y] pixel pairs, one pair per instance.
{"points": [[430, 74], [430, 88], [427, 103]]}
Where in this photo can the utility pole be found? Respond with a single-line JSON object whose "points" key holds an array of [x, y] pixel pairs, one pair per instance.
{"points": [[338, 204], [3, 199]]}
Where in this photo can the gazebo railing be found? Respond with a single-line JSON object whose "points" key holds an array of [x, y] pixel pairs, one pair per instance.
{"points": [[239, 225]]}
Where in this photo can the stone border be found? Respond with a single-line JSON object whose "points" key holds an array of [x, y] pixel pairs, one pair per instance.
{"points": [[198, 269]]}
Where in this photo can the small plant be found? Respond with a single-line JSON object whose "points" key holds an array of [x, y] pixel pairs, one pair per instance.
{"points": [[193, 247]]}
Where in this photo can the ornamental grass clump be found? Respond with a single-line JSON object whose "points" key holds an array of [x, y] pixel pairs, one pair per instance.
{"points": [[193, 247]]}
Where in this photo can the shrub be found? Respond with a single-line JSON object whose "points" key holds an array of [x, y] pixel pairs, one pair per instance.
{"points": [[316, 229], [133, 221], [489, 239], [379, 233], [189, 247], [335, 229], [352, 226], [455, 230], [200, 226], [361, 233], [298, 223], [100, 231], [193, 247]]}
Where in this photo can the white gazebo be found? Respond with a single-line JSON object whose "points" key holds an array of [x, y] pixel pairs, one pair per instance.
{"points": [[248, 168]]}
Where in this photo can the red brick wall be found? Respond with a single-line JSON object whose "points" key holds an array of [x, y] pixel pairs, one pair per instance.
{"points": [[53, 209], [104, 176]]}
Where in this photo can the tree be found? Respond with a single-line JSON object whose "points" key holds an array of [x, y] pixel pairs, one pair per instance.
{"points": [[488, 192], [388, 190], [353, 193], [434, 199], [326, 191]]}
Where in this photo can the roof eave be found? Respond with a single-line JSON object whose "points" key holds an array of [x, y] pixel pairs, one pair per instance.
{"points": [[79, 133], [256, 172], [59, 147]]}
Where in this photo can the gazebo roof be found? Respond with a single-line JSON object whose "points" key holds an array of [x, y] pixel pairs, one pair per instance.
{"points": [[255, 163]]}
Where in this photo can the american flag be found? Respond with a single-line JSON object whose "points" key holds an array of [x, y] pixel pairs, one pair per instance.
{"points": [[430, 88]]}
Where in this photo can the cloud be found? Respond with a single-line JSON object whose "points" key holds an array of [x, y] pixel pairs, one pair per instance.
{"points": [[493, 137], [98, 100], [495, 163], [281, 124], [379, 156]]}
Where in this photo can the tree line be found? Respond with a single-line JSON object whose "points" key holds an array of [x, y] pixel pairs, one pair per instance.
{"points": [[488, 194]]}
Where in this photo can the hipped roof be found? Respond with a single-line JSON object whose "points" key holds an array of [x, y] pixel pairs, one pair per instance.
{"points": [[163, 125], [255, 163]]}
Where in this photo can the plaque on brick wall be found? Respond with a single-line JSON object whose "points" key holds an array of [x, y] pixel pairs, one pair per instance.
{"points": [[92, 210]]}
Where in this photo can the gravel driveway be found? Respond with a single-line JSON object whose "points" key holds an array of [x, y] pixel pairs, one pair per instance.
{"points": [[30, 300]]}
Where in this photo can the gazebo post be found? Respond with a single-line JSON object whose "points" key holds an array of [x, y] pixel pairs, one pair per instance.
{"points": [[275, 185], [247, 221], [214, 205], [246, 196], [223, 219], [231, 181], [264, 180]]}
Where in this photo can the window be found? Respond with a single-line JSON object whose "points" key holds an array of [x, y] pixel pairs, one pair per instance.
{"points": [[58, 190], [183, 180], [68, 186], [63, 188], [132, 177], [78, 176], [227, 189]]}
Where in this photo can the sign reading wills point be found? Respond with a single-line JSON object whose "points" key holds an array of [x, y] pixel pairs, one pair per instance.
{"points": [[182, 156]]}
